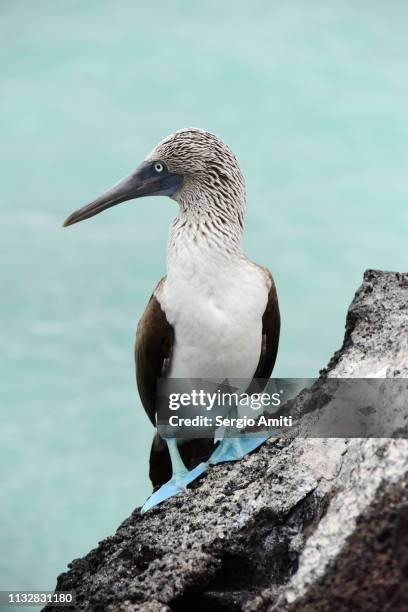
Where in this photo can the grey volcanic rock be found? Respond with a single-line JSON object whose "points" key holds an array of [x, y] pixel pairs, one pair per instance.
{"points": [[300, 525]]}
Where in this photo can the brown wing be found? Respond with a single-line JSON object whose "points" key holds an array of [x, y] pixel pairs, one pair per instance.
{"points": [[153, 351], [270, 337], [154, 345]]}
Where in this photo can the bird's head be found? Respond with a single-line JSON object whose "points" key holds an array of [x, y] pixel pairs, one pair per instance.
{"points": [[194, 167]]}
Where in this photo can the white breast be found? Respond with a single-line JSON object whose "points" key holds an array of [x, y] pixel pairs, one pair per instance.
{"points": [[215, 305]]}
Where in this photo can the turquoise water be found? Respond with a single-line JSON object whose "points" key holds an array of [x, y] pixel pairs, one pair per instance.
{"points": [[312, 97]]}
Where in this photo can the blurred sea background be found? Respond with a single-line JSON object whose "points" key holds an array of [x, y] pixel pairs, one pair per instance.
{"points": [[311, 96]]}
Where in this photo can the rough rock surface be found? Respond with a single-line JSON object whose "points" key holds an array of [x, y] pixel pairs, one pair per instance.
{"points": [[300, 525]]}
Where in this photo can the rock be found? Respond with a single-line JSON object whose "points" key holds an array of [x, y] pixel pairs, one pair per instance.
{"points": [[300, 525]]}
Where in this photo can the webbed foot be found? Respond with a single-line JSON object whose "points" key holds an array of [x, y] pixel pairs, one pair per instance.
{"points": [[177, 484], [233, 449]]}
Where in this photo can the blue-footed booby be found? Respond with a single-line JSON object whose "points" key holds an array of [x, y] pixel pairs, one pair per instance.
{"points": [[215, 315]]}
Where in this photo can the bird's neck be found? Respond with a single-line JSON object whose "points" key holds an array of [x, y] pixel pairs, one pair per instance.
{"points": [[203, 243], [207, 232]]}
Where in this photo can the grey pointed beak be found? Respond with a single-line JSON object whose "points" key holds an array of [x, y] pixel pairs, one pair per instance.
{"points": [[141, 182]]}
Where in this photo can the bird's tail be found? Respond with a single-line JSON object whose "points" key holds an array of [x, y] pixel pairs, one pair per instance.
{"points": [[159, 462]]}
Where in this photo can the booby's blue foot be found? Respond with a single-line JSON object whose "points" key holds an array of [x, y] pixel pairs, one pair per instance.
{"points": [[177, 484], [233, 449]]}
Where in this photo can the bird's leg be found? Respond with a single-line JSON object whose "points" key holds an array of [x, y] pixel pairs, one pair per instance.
{"points": [[235, 446], [178, 468], [181, 477]]}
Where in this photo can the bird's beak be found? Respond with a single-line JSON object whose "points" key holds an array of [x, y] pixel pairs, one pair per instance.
{"points": [[141, 182]]}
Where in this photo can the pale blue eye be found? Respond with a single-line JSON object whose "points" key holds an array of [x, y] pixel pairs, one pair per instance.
{"points": [[158, 167]]}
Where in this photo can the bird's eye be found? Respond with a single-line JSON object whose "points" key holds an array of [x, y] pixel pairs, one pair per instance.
{"points": [[158, 167]]}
